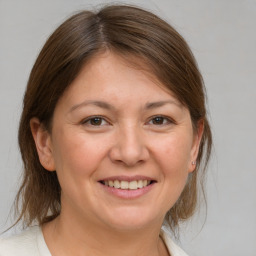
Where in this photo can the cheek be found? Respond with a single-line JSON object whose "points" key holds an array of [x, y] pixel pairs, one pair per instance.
{"points": [[77, 155], [173, 154]]}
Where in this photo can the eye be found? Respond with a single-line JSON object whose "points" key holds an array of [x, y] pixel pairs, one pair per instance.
{"points": [[160, 120], [95, 121]]}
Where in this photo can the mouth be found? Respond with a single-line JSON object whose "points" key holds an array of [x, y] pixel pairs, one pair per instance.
{"points": [[127, 185]]}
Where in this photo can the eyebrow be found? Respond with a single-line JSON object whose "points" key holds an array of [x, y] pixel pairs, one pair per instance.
{"points": [[105, 105], [101, 104], [157, 104]]}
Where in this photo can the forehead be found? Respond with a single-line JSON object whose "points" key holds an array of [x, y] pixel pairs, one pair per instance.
{"points": [[124, 75]]}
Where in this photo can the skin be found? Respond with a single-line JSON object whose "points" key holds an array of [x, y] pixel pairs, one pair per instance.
{"points": [[141, 129]]}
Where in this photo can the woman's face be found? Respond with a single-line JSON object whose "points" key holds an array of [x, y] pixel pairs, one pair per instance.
{"points": [[122, 146]]}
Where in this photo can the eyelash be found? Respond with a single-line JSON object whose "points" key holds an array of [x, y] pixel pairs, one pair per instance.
{"points": [[164, 119], [91, 118]]}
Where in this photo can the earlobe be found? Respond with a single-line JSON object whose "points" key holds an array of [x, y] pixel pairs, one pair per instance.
{"points": [[196, 145], [43, 144]]}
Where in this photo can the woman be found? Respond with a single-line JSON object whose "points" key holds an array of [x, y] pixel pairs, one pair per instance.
{"points": [[112, 135]]}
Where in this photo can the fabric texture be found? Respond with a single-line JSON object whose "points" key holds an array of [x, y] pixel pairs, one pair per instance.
{"points": [[31, 243]]}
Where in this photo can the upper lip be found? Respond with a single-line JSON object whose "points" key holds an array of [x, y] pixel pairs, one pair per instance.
{"points": [[128, 178]]}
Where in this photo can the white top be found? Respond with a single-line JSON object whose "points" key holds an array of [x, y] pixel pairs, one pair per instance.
{"points": [[31, 243]]}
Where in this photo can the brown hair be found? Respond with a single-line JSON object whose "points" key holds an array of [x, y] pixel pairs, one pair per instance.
{"points": [[125, 30]]}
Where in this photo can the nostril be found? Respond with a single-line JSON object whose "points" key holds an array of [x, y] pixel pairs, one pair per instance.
{"points": [[129, 151]]}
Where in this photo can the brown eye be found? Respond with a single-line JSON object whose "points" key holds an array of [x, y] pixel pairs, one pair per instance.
{"points": [[95, 121], [158, 120]]}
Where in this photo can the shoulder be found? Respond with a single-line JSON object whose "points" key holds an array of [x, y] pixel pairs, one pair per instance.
{"points": [[25, 243], [173, 248]]}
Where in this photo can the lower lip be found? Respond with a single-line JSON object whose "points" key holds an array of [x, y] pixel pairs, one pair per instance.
{"points": [[127, 193]]}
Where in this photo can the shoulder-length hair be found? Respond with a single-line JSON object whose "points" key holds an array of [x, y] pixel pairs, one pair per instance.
{"points": [[131, 32]]}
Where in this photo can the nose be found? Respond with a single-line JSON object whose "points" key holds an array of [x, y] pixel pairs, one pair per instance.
{"points": [[129, 147]]}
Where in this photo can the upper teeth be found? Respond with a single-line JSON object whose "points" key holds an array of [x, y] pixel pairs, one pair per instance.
{"points": [[135, 184]]}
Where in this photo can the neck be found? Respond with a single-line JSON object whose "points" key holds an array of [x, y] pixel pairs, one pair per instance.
{"points": [[66, 236]]}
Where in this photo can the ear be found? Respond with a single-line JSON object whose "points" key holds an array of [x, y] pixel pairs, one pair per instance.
{"points": [[198, 133], [43, 143]]}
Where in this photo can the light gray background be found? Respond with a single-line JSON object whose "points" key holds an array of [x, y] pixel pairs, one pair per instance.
{"points": [[223, 39]]}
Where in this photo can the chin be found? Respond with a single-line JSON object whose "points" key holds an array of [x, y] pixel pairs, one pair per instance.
{"points": [[132, 219]]}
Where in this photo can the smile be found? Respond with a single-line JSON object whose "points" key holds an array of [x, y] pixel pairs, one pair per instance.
{"points": [[123, 184]]}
